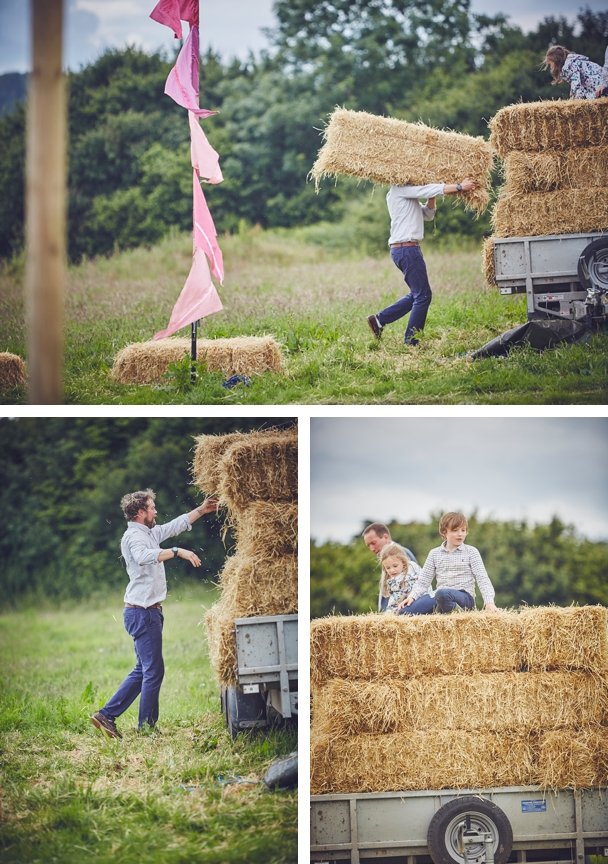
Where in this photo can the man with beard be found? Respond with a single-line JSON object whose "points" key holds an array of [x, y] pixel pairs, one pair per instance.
{"points": [[143, 614]]}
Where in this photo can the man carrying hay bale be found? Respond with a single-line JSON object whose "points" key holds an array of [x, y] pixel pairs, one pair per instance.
{"points": [[408, 216], [457, 568], [143, 616]]}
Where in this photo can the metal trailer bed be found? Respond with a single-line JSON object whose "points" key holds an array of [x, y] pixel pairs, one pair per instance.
{"points": [[417, 827], [267, 673]]}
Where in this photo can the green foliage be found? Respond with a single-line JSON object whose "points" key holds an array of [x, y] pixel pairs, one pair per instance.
{"points": [[62, 481], [534, 565]]}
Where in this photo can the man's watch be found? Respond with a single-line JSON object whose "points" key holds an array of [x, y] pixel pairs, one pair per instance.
{"points": [[175, 550], [459, 187]]}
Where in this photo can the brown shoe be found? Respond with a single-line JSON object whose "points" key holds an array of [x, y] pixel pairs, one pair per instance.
{"points": [[375, 326], [107, 725]]}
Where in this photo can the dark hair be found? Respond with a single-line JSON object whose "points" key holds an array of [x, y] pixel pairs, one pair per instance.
{"points": [[133, 502], [554, 62], [379, 527]]}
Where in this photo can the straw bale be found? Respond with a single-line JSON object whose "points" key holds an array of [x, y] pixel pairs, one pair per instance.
{"points": [[222, 644], [565, 211], [488, 267], [550, 125], [569, 638], [369, 647], [498, 701], [386, 150], [438, 759], [576, 758], [579, 168], [147, 362], [267, 530], [13, 371], [260, 467], [208, 454], [259, 588]]}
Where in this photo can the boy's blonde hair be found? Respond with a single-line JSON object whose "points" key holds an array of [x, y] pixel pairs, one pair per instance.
{"points": [[450, 521], [391, 550]]}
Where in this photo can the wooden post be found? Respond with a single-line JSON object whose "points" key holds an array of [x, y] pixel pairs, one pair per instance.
{"points": [[45, 197]]}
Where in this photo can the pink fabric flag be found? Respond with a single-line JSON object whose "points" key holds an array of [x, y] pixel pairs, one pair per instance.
{"points": [[173, 12], [205, 160], [197, 299], [182, 83], [205, 236]]}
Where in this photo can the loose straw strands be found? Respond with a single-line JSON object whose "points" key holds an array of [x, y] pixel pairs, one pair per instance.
{"points": [[387, 150]]}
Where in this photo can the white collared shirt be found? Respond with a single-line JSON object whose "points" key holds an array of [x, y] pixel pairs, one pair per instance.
{"points": [[407, 214], [458, 569], [140, 547]]}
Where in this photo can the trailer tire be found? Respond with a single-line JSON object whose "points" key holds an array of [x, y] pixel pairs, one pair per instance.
{"points": [[593, 265], [444, 836]]}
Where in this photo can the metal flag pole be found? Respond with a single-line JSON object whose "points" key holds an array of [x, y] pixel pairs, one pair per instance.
{"points": [[193, 335]]}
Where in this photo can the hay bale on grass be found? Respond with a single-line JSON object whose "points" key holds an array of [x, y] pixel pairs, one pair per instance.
{"points": [[564, 211], [267, 587], [440, 759], [550, 125], [266, 530], [371, 647], [260, 467], [579, 168], [497, 702], [386, 150], [13, 372], [573, 758], [488, 267], [572, 638], [147, 362]]}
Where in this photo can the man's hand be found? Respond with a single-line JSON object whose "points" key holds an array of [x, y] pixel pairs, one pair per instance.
{"points": [[209, 505], [190, 556], [468, 184]]}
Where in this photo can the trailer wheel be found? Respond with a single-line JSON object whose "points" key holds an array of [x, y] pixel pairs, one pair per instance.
{"points": [[445, 834], [593, 265]]}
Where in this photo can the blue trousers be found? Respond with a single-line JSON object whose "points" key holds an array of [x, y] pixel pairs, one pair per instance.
{"points": [[422, 606], [145, 626], [448, 598], [411, 263]]}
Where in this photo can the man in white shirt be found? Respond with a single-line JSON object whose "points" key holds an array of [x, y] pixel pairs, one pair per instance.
{"points": [[143, 615], [408, 216]]}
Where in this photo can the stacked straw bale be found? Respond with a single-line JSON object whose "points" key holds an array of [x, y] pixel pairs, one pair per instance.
{"points": [[386, 150], [255, 476], [147, 362], [555, 167], [471, 700], [13, 371]]}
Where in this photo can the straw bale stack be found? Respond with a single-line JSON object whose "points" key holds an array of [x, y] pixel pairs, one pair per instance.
{"points": [[147, 362], [555, 167], [255, 477], [388, 716], [386, 150], [13, 371]]}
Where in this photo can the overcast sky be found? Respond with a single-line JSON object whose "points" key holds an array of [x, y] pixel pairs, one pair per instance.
{"points": [[232, 27], [406, 469]]}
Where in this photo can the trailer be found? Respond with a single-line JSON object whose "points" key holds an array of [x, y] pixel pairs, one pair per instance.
{"points": [[477, 826], [267, 673], [565, 280]]}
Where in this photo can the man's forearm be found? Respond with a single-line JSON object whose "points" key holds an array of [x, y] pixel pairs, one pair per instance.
{"points": [[209, 505]]}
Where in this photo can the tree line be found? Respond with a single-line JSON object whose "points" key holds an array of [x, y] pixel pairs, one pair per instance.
{"points": [[129, 179], [61, 481], [528, 565]]}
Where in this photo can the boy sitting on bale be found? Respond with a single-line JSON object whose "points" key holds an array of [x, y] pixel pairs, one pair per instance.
{"points": [[457, 567], [408, 216]]}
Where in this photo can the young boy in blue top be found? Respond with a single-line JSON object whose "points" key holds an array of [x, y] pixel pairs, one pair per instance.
{"points": [[456, 567]]}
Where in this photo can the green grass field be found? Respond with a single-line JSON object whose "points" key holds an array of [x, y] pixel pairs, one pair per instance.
{"points": [[69, 794], [312, 291]]}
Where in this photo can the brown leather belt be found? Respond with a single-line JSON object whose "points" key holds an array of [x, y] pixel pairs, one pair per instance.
{"points": [[153, 606], [407, 243]]}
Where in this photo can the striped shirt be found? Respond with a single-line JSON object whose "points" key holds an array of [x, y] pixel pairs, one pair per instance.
{"points": [[458, 569]]}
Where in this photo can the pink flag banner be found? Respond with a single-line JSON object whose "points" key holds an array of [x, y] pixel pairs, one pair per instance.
{"points": [[171, 13], [205, 160], [199, 296], [182, 83]]}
